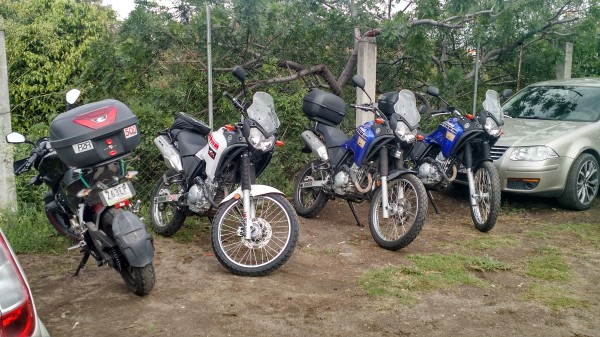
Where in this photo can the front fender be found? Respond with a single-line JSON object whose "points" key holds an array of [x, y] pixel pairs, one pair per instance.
{"points": [[133, 240], [254, 191], [398, 172]]}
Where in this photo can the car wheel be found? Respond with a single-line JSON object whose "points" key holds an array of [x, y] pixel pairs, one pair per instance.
{"points": [[582, 183]]}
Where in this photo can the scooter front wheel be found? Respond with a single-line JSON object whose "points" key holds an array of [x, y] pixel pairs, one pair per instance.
{"points": [[486, 207], [273, 237]]}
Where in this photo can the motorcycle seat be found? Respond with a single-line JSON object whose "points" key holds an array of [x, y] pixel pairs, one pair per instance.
{"points": [[189, 123]]}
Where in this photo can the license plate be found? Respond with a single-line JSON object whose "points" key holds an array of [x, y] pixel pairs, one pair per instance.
{"points": [[83, 146], [450, 136], [117, 194]]}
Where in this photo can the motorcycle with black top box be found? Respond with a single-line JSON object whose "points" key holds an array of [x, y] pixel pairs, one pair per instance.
{"points": [[90, 189]]}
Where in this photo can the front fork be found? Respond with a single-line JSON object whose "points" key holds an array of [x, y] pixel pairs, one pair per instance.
{"points": [[383, 170], [246, 200], [469, 164]]}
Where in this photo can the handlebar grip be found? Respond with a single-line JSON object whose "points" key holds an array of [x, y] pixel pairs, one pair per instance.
{"points": [[228, 95]]}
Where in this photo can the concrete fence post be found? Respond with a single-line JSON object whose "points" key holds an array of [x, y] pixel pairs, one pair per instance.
{"points": [[367, 68]]}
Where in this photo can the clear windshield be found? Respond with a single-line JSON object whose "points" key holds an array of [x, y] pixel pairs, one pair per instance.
{"points": [[491, 104], [406, 107], [262, 111]]}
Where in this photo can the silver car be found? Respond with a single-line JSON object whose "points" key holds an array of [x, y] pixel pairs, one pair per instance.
{"points": [[551, 142], [18, 316]]}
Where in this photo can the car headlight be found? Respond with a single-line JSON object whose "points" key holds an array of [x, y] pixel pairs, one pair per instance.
{"points": [[258, 141], [532, 153], [491, 127], [404, 133]]}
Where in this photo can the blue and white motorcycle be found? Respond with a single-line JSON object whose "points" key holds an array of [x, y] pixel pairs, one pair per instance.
{"points": [[462, 144], [359, 168]]}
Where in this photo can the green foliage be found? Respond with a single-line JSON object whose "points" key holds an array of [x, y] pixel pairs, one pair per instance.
{"points": [[29, 232], [554, 297]]}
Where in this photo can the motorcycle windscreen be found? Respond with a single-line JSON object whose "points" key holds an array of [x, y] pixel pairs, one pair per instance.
{"points": [[491, 104], [262, 111], [406, 107]]}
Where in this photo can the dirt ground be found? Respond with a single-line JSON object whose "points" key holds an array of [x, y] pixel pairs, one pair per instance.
{"points": [[316, 293]]}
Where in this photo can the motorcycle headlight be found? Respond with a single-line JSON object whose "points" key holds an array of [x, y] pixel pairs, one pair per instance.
{"points": [[491, 127], [404, 133], [534, 153], [259, 142]]}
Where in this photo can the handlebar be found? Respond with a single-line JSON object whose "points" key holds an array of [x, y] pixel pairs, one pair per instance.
{"points": [[234, 101]]}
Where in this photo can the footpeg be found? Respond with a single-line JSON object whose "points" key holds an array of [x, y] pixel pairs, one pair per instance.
{"points": [[80, 244]]}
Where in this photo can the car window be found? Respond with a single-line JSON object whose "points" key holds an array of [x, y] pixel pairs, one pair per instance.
{"points": [[568, 103]]}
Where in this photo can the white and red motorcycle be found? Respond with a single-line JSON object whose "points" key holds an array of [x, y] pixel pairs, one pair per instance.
{"points": [[254, 228]]}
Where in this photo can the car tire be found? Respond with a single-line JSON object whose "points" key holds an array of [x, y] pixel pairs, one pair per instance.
{"points": [[582, 183]]}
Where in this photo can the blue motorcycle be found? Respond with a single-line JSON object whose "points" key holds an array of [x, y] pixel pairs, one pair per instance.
{"points": [[461, 145], [359, 168]]}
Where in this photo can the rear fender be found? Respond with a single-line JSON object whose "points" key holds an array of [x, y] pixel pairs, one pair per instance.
{"points": [[255, 190], [132, 238]]}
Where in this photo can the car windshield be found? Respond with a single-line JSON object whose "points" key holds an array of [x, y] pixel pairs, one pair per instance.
{"points": [[568, 103], [262, 111]]}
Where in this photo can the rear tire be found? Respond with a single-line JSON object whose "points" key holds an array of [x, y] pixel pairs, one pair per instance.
{"points": [[487, 187], [308, 202], [582, 183], [139, 280], [408, 213], [167, 218]]}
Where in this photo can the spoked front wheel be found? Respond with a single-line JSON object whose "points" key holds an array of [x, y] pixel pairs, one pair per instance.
{"points": [[407, 209], [273, 235], [487, 197]]}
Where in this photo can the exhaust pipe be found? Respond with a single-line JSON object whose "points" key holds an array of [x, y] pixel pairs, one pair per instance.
{"points": [[315, 144], [169, 153]]}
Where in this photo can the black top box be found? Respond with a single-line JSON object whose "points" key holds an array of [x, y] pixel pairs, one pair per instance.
{"points": [[386, 102], [324, 107], [94, 133]]}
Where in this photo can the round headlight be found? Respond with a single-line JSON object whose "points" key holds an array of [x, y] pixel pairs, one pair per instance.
{"points": [[259, 142], [404, 134], [491, 127]]}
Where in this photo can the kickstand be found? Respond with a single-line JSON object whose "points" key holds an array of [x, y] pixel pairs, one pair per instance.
{"points": [[354, 213], [84, 259], [430, 196]]}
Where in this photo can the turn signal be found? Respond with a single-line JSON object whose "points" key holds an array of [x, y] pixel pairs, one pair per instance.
{"points": [[420, 137], [237, 196], [469, 116], [229, 127], [279, 143], [378, 121]]}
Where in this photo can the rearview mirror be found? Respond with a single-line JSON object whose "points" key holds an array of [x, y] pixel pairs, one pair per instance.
{"points": [[239, 73], [433, 91], [423, 109], [15, 138], [507, 93], [72, 95], [358, 81]]}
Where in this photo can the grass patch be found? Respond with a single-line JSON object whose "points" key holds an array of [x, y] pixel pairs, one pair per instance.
{"points": [[331, 250], [549, 265], [553, 297], [490, 242], [29, 232], [428, 273], [582, 231], [194, 228]]}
